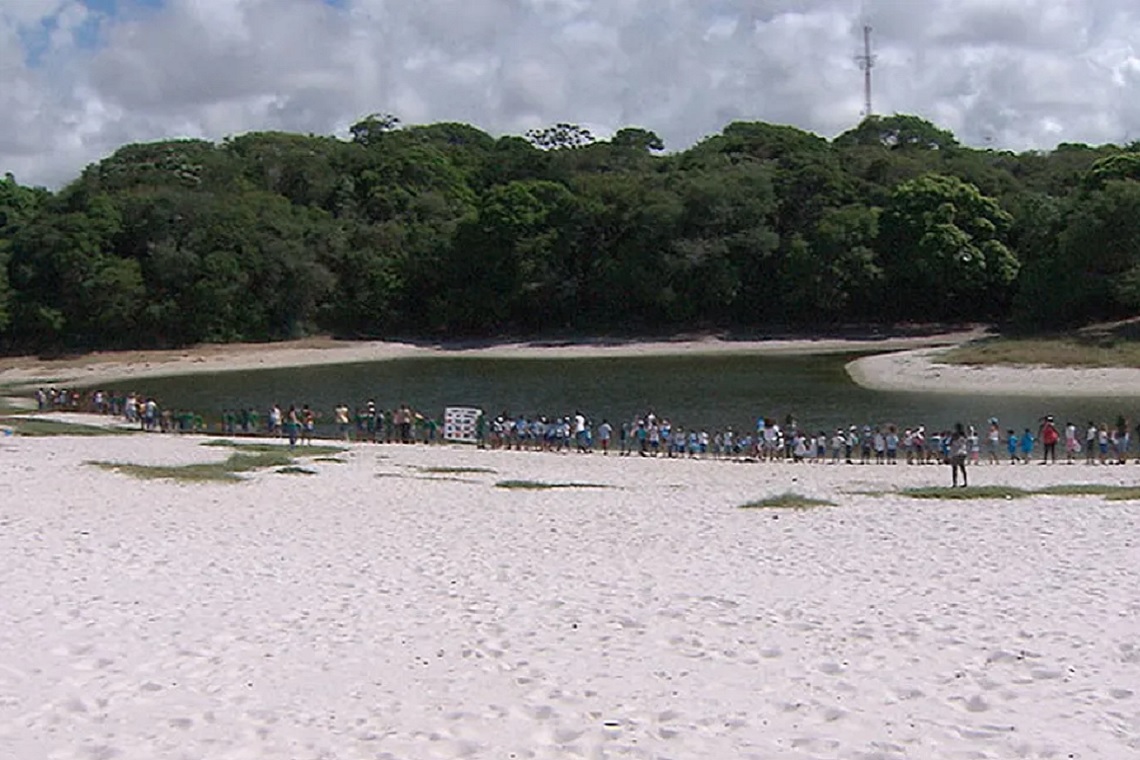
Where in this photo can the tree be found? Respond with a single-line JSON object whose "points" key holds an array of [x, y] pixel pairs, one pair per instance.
{"points": [[1094, 272], [835, 275], [505, 258], [1116, 166], [944, 252], [638, 139], [561, 136], [18, 204], [897, 132], [372, 129], [58, 264]]}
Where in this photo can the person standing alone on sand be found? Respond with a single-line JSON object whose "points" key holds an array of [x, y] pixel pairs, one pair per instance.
{"points": [[959, 448]]}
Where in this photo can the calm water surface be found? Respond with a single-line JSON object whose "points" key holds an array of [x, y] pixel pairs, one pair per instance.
{"points": [[711, 392]]}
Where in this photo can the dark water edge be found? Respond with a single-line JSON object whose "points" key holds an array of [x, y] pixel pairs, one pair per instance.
{"points": [[711, 392]]}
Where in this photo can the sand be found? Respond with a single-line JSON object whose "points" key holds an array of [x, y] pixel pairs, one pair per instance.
{"points": [[379, 609], [920, 370]]}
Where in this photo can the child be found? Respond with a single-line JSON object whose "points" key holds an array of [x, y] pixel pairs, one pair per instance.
{"points": [[1027, 441], [837, 443], [1011, 445], [992, 439], [892, 445], [974, 444], [1072, 445]]}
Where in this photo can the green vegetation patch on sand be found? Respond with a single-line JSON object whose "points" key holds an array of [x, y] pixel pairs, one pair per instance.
{"points": [[16, 404], [455, 470], [787, 501], [534, 485], [1081, 489], [228, 471], [274, 448], [1077, 350], [295, 470], [39, 428], [1109, 492], [969, 493], [1124, 493]]}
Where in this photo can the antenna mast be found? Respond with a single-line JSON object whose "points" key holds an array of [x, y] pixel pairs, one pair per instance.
{"points": [[867, 62]]}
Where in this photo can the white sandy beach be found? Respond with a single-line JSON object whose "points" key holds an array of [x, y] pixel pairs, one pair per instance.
{"points": [[380, 610]]}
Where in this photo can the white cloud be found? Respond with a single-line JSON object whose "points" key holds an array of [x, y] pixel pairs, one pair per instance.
{"points": [[78, 83]]}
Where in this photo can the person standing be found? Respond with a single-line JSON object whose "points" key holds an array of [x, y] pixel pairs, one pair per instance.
{"points": [[1072, 443], [959, 449], [341, 415], [605, 430], [1049, 437], [292, 425], [1027, 442], [308, 425]]}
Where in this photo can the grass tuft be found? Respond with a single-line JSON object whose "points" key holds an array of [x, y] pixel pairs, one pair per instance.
{"points": [[192, 473], [42, 428], [228, 471], [534, 485], [787, 501], [1086, 348], [1079, 489], [1124, 494], [272, 448], [295, 470], [961, 494]]}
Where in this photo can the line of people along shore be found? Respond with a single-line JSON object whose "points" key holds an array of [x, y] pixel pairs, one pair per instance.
{"points": [[647, 435]]}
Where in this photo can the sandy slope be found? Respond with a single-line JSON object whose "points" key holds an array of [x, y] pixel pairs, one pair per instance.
{"points": [[379, 610], [919, 370]]}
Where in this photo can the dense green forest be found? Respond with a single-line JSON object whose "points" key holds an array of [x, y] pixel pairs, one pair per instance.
{"points": [[443, 230]]}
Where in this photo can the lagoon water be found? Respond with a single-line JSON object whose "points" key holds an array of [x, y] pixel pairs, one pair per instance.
{"points": [[711, 392]]}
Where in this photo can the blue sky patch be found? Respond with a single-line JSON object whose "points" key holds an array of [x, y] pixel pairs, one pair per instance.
{"points": [[36, 37]]}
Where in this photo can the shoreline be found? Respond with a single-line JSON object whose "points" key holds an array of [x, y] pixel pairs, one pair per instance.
{"points": [[893, 364], [23, 373]]}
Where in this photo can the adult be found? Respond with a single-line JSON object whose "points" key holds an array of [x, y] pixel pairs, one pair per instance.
{"points": [[1049, 436], [959, 449], [292, 425], [308, 425], [341, 415]]}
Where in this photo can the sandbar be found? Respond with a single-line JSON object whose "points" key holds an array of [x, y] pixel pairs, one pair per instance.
{"points": [[920, 370]]}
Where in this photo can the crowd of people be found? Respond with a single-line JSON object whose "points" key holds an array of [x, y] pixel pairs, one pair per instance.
{"points": [[649, 435], [646, 435], [297, 423]]}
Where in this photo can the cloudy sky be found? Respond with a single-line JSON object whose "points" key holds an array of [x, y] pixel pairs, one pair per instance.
{"points": [[78, 78]]}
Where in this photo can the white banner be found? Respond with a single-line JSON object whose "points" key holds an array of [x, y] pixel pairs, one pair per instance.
{"points": [[460, 424]]}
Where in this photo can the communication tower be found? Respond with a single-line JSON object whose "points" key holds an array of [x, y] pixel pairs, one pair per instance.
{"points": [[867, 62]]}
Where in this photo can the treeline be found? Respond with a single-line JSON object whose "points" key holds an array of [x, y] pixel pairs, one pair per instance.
{"points": [[443, 230]]}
